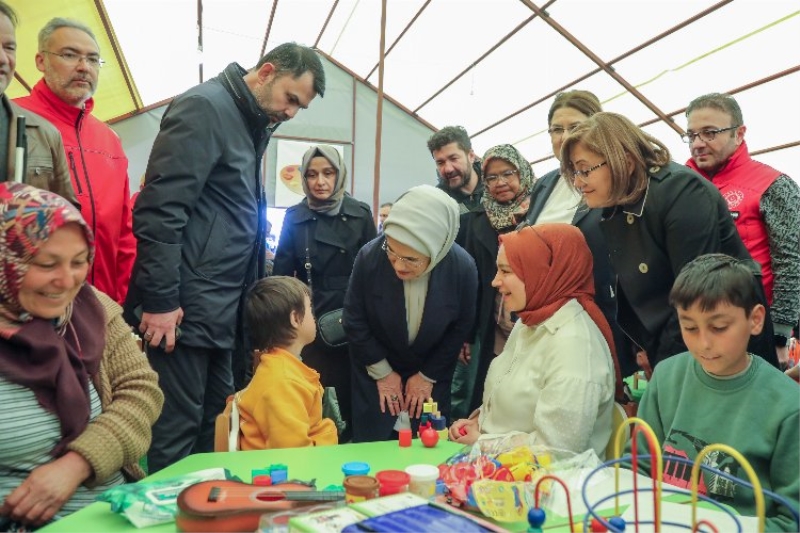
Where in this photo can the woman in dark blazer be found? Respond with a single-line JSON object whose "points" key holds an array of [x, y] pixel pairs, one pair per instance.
{"points": [[409, 308], [325, 231], [555, 200], [657, 216]]}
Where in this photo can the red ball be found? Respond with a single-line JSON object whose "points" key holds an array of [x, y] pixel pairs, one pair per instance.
{"points": [[597, 527], [429, 437]]}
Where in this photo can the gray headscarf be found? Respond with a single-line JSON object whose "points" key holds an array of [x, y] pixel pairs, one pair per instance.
{"points": [[332, 205], [426, 219]]}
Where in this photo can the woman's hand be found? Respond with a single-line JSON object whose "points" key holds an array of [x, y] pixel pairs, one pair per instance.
{"points": [[418, 390], [465, 354], [390, 393], [46, 489], [465, 431]]}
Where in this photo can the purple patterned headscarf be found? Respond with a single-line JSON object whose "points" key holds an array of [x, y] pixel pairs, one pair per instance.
{"points": [[54, 359], [28, 217]]}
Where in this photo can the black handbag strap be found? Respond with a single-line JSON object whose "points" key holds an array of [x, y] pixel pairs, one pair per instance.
{"points": [[308, 262]]}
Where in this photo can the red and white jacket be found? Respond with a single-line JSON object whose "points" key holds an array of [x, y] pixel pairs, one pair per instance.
{"points": [[742, 182], [99, 173]]}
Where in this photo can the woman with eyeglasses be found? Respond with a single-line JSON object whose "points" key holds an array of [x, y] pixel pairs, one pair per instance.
{"points": [[319, 241], [409, 308], [556, 200], [657, 215], [507, 179], [554, 379]]}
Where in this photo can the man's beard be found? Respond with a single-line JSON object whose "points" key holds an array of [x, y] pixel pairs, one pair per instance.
{"points": [[459, 184], [264, 101]]}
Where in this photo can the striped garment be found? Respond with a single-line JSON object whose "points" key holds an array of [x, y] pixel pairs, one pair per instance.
{"points": [[27, 434]]}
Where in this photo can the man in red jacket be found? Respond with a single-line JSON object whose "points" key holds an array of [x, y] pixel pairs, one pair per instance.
{"points": [[763, 203], [69, 58]]}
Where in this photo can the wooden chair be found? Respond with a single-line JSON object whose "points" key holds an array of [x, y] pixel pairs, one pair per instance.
{"points": [[226, 428], [618, 418]]}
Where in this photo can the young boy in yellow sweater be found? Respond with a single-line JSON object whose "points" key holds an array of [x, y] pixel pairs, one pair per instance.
{"points": [[282, 405]]}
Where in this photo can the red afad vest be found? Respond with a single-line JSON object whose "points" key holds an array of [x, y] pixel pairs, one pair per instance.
{"points": [[742, 183]]}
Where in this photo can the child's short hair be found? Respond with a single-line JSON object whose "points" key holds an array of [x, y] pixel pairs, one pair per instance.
{"points": [[268, 308], [713, 279]]}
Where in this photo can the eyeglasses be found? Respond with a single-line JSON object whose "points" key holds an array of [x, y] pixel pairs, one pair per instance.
{"points": [[558, 131], [494, 179], [705, 135], [72, 59], [413, 262], [584, 174]]}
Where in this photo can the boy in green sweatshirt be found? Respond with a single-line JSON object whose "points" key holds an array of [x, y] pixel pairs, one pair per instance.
{"points": [[719, 393]]}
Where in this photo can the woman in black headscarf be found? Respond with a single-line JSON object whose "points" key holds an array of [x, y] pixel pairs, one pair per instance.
{"points": [[319, 241]]}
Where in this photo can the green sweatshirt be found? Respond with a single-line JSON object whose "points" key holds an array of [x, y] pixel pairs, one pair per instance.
{"points": [[757, 413]]}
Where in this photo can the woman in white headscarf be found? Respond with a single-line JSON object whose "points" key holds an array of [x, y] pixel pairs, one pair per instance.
{"points": [[409, 308], [324, 233]]}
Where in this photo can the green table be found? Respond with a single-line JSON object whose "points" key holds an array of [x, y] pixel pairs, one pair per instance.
{"points": [[323, 464]]}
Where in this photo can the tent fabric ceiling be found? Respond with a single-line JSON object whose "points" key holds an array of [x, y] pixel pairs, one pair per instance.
{"points": [[492, 66]]}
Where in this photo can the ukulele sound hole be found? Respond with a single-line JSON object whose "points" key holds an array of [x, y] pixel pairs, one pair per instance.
{"points": [[268, 497]]}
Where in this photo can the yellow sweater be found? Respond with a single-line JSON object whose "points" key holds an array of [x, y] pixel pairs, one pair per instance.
{"points": [[282, 406]]}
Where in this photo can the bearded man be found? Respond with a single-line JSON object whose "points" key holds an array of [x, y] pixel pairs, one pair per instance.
{"points": [[200, 222]]}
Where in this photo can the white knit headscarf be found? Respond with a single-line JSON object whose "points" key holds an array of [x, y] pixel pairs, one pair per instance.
{"points": [[426, 219]]}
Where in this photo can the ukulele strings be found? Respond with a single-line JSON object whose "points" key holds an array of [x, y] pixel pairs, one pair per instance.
{"points": [[277, 492]]}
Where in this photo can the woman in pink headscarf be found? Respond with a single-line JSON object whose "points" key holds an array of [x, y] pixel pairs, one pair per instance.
{"points": [[555, 377]]}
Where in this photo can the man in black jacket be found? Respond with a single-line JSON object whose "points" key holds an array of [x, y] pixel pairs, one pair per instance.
{"points": [[200, 222], [457, 167]]}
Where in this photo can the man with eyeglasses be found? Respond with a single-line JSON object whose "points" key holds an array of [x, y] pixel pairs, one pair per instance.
{"points": [[44, 162], [201, 226], [457, 166], [69, 58], [762, 200]]}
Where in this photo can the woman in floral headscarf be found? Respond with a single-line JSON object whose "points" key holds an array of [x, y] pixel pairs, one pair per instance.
{"points": [[318, 245], [78, 398], [555, 377], [508, 180]]}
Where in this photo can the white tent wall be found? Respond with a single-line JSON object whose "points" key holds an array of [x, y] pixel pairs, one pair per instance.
{"points": [[137, 134], [405, 160]]}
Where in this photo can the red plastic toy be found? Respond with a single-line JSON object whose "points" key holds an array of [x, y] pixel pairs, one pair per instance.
{"points": [[429, 437]]}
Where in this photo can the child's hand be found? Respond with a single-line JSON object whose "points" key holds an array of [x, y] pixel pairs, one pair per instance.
{"points": [[390, 393]]}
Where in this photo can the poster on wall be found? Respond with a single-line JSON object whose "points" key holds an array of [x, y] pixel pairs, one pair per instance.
{"points": [[288, 186]]}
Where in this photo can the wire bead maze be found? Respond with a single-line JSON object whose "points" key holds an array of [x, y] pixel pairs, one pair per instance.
{"points": [[593, 521]]}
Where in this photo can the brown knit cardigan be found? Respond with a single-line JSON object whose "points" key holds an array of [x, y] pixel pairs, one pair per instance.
{"points": [[131, 402]]}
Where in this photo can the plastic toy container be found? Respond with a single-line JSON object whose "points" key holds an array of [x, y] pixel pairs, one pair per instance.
{"points": [[392, 482], [355, 468], [360, 488], [423, 480]]}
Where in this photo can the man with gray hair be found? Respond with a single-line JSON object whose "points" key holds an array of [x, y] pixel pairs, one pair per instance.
{"points": [[69, 58], [762, 201], [44, 164]]}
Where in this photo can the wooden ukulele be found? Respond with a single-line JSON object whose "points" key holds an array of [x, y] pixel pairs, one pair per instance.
{"points": [[221, 505]]}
